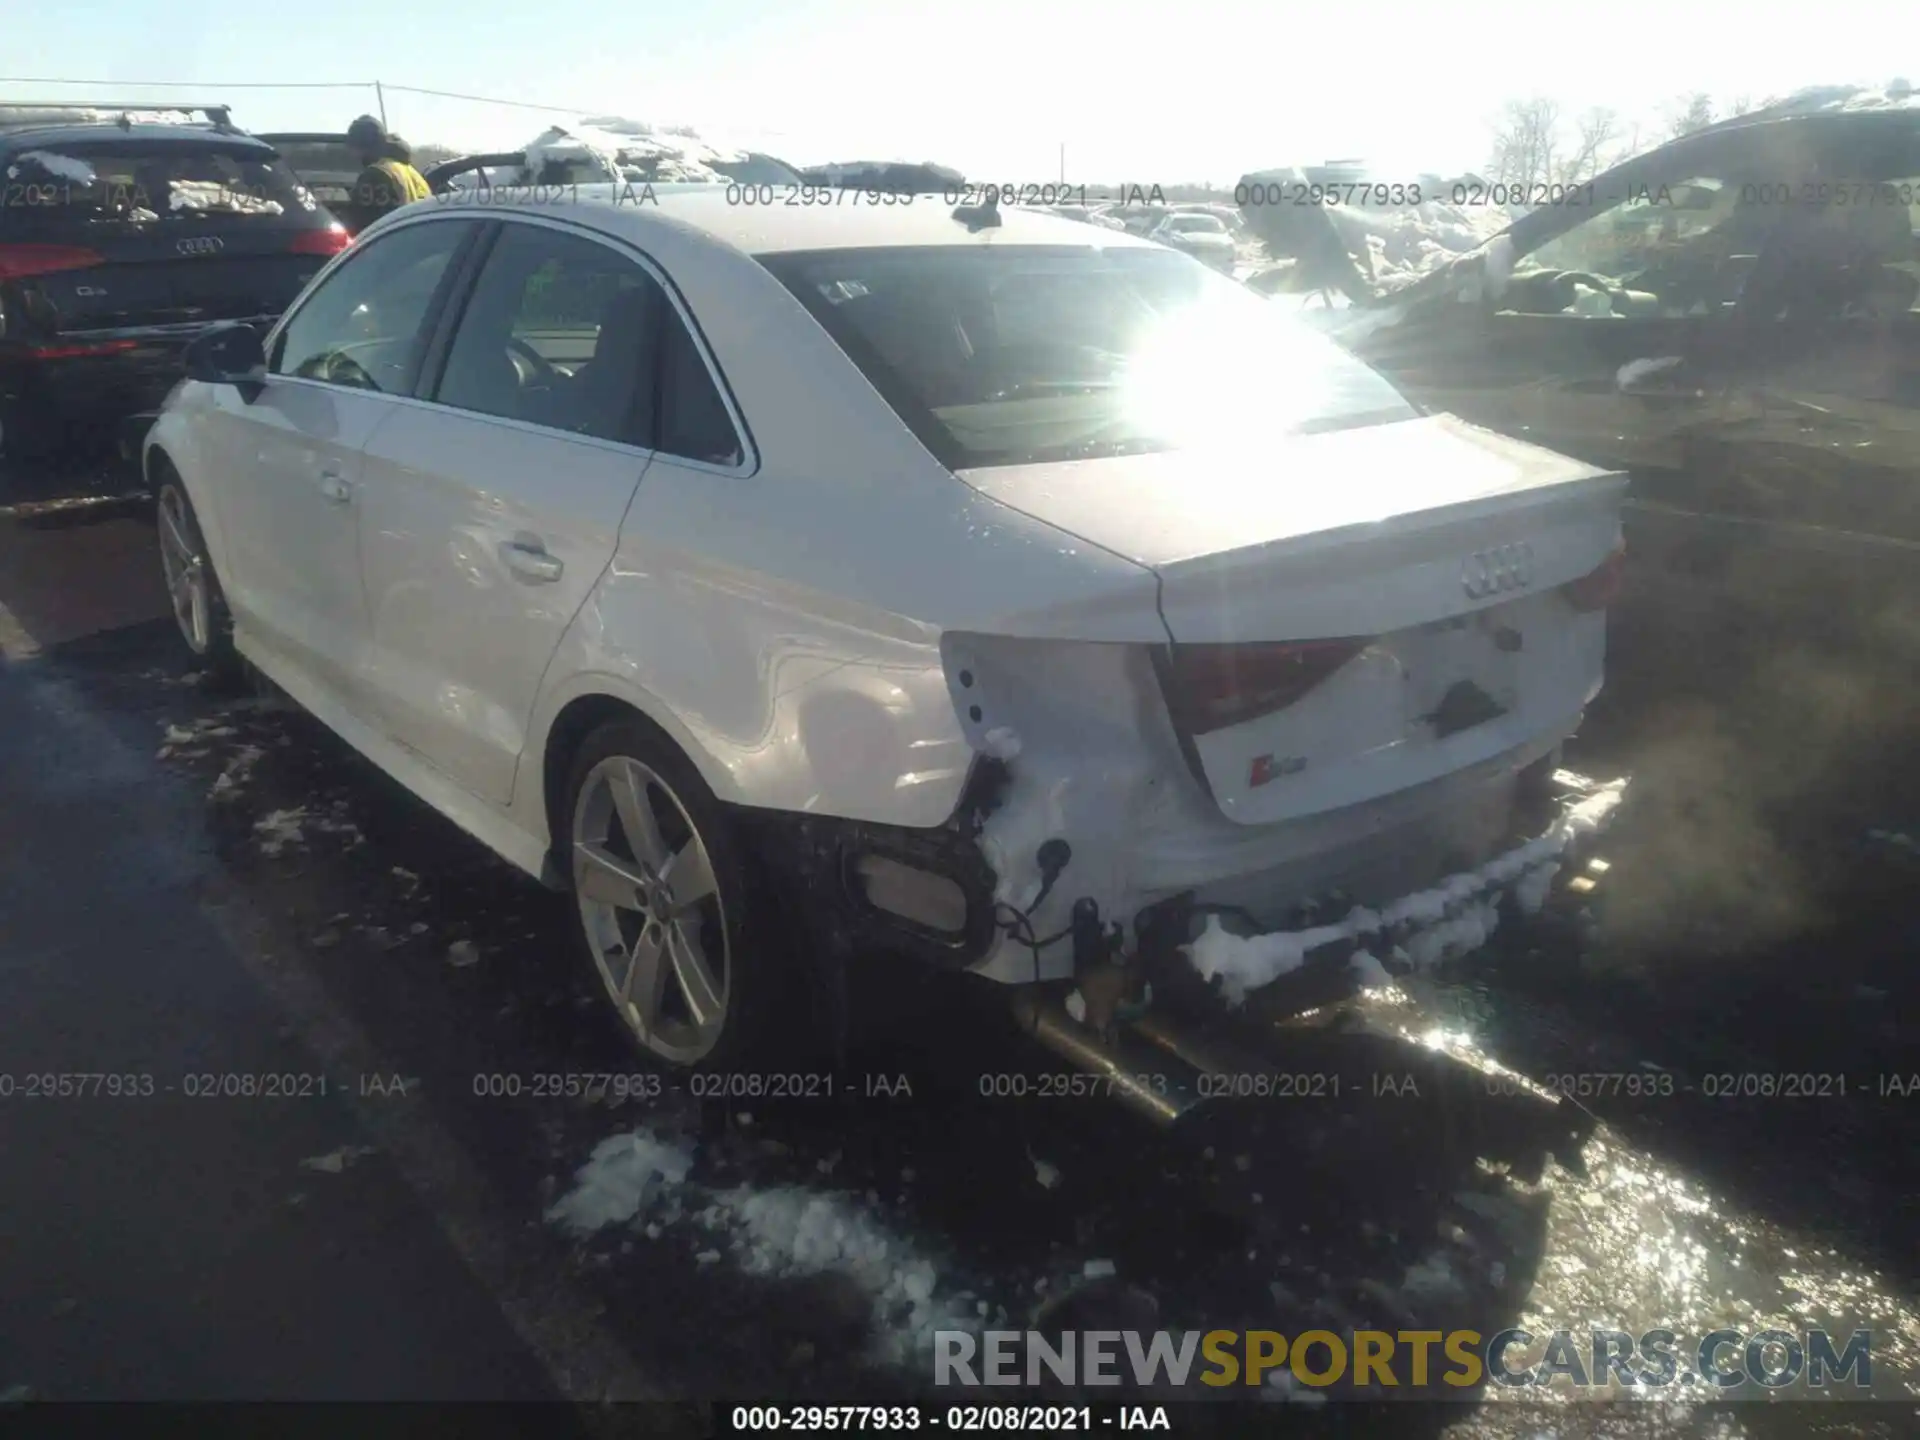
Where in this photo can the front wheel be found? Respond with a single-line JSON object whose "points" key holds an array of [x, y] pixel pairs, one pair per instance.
{"points": [[193, 590], [670, 908]]}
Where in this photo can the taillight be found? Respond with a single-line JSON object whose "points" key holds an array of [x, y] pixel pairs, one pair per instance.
{"points": [[22, 262], [75, 352], [330, 241], [1599, 587], [1214, 686]]}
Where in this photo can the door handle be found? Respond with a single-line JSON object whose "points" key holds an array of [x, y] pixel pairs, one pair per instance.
{"points": [[529, 562], [334, 487]]}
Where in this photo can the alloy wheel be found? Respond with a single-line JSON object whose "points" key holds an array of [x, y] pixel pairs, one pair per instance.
{"points": [[183, 562], [652, 910]]}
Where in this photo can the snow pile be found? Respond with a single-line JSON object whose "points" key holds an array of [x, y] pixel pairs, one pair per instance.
{"points": [[619, 1180], [781, 1232], [280, 828], [238, 772], [194, 742], [1454, 918], [791, 1231]]}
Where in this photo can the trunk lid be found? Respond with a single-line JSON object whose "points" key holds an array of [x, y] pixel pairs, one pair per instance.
{"points": [[1426, 559]]}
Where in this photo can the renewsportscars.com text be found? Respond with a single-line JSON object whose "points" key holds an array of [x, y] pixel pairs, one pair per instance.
{"points": [[1727, 1363]]}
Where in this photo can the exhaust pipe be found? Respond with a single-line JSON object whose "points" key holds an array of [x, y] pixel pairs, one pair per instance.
{"points": [[1207, 1055], [1130, 1069]]}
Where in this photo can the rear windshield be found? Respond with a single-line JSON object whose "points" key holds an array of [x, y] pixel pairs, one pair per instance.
{"points": [[108, 184], [1030, 354], [326, 167]]}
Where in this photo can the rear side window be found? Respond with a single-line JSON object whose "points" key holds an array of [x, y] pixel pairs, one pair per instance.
{"points": [[365, 327], [694, 423], [129, 186]]}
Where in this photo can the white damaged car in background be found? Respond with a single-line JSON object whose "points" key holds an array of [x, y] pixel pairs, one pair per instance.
{"points": [[959, 587]]}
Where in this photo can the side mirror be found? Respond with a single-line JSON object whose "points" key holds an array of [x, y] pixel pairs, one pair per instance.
{"points": [[227, 354]]}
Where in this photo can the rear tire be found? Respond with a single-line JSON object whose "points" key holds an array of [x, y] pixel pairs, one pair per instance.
{"points": [[193, 589], [673, 914]]}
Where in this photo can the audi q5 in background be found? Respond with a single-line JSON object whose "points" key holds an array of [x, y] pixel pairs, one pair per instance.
{"points": [[980, 588], [122, 239]]}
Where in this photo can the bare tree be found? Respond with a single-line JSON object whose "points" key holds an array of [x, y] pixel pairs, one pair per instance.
{"points": [[1525, 142], [1596, 136], [1739, 105], [1695, 113]]}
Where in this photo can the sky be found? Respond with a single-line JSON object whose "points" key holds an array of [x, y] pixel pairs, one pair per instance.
{"points": [[1135, 93]]}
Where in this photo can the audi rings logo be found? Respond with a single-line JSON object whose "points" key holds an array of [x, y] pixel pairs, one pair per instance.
{"points": [[1496, 571], [201, 245]]}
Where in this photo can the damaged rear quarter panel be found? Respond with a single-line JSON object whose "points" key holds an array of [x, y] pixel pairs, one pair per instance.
{"points": [[1093, 760]]}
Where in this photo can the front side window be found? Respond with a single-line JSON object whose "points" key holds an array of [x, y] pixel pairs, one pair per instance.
{"points": [[559, 332], [366, 326], [566, 332], [1029, 354]]}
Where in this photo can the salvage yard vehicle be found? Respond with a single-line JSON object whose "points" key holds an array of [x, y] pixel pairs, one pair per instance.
{"points": [[977, 587], [124, 233], [1734, 318], [1197, 234]]}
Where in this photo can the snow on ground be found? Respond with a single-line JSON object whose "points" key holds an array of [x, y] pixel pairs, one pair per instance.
{"points": [[773, 1231], [195, 741], [239, 770], [280, 828], [1455, 917], [624, 1174]]}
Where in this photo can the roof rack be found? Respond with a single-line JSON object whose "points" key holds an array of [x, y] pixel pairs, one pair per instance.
{"points": [[111, 111]]}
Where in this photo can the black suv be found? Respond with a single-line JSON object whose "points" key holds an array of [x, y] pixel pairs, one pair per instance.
{"points": [[123, 234]]}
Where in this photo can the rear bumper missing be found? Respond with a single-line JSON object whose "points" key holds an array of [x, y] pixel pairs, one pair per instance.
{"points": [[1197, 950]]}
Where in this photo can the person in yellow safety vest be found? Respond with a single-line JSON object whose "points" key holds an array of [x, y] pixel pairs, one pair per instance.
{"points": [[388, 180]]}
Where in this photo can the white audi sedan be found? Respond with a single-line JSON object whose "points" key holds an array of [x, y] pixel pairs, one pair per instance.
{"points": [[976, 589]]}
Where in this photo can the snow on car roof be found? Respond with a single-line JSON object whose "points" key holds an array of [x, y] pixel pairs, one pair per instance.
{"points": [[860, 220], [1832, 99]]}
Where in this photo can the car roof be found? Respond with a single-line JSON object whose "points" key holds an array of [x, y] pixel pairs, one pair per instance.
{"points": [[860, 220], [52, 137]]}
